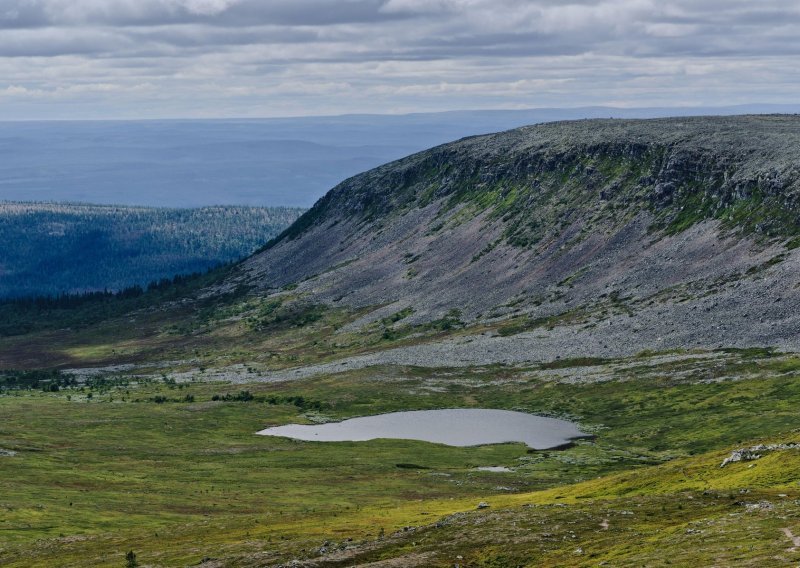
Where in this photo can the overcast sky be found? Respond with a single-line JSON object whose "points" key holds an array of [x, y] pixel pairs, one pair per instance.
{"points": [[230, 58]]}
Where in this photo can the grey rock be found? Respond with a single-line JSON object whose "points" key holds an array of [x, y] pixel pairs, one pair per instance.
{"points": [[756, 452]]}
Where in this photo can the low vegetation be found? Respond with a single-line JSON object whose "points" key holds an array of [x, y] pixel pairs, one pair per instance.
{"points": [[174, 472]]}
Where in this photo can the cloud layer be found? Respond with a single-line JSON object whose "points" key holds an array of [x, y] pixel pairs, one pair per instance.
{"points": [[161, 58]]}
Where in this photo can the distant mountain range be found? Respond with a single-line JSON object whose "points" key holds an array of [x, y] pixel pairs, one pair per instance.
{"points": [[269, 162]]}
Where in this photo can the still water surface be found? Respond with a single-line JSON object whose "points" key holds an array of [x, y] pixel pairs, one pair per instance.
{"points": [[453, 427]]}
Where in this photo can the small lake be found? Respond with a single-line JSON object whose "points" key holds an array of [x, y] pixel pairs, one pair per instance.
{"points": [[452, 427]]}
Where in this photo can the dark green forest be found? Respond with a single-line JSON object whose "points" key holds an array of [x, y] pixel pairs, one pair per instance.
{"points": [[50, 249]]}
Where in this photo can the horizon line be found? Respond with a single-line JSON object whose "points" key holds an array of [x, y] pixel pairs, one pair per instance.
{"points": [[735, 107]]}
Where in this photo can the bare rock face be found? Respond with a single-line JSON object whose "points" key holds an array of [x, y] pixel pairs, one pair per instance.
{"points": [[596, 237]]}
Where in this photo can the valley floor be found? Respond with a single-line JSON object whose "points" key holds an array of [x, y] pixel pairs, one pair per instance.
{"points": [[167, 465]]}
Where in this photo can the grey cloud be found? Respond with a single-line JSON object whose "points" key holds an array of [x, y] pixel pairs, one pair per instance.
{"points": [[311, 56], [205, 36], [45, 13], [309, 13], [54, 42]]}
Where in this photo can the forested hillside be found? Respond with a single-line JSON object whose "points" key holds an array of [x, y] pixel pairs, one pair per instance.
{"points": [[51, 249]]}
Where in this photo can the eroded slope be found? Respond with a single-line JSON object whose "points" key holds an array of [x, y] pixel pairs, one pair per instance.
{"points": [[616, 235]]}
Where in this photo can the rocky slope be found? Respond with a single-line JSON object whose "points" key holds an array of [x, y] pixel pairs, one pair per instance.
{"points": [[597, 237]]}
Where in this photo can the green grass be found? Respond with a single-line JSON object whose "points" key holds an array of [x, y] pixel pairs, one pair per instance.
{"points": [[177, 482], [127, 472]]}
